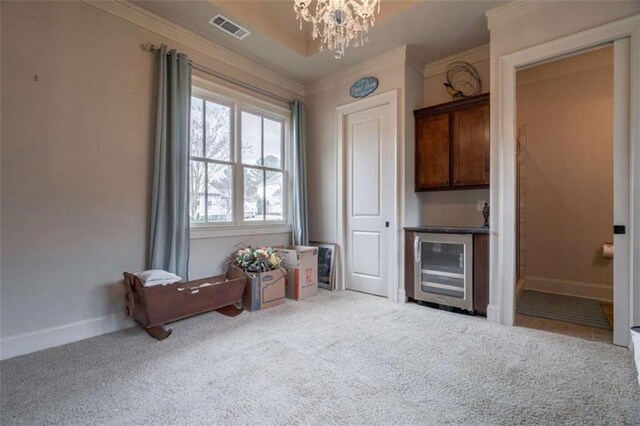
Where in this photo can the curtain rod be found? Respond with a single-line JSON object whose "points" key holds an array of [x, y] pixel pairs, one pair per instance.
{"points": [[154, 49]]}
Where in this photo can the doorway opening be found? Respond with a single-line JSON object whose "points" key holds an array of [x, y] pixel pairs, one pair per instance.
{"points": [[565, 195]]}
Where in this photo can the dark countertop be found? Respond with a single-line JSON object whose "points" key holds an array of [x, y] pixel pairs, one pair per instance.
{"points": [[449, 229]]}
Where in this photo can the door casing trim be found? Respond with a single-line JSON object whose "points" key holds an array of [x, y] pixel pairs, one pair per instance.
{"points": [[387, 98], [501, 307]]}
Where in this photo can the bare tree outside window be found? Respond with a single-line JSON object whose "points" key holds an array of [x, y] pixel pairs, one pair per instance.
{"points": [[259, 153], [211, 176]]}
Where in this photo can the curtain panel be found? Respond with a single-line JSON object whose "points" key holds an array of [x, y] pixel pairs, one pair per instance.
{"points": [[300, 225], [169, 238]]}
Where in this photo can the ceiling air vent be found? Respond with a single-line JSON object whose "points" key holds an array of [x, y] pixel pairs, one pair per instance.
{"points": [[229, 27]]}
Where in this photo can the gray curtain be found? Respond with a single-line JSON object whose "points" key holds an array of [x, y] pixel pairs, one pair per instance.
{"points": [[169, 233], [299, 175]]}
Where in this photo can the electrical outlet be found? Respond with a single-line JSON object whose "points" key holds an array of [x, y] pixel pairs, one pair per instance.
{"points": [[480, 205]]}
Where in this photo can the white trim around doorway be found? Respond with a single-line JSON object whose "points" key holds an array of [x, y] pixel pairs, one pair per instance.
{"points": [[387, 98], [502, 303]]}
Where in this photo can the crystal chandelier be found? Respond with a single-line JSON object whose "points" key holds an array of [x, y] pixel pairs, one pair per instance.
{"points": [[338, 22]]}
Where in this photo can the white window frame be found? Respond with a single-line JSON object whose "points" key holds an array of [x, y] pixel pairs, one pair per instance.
{"points": [[239, 102], [223, 101], [250, 109]]}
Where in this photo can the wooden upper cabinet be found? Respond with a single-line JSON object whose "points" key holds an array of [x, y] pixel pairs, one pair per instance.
{"points": [[470, 137], [452, 145], [432, 154]]}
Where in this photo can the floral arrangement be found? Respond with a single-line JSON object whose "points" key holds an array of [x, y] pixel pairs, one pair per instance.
{"points": [[257, 260]]}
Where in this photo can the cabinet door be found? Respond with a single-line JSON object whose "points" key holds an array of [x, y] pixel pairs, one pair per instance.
{"points": [[432, 152], [471, 146]]}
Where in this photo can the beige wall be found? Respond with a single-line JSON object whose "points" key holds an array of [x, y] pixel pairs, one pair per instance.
{"points": [[452, 208], [76, 148], [435, 74], [566, 107], [550, 22], [325, 96], [414, 83], [435, 208]]}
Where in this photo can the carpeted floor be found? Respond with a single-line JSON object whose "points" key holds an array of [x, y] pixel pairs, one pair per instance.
{"points": [[338, 358]]}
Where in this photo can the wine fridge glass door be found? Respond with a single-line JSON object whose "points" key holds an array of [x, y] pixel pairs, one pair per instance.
{"points": [[443, 269]]}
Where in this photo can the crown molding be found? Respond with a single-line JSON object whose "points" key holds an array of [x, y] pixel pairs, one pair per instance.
{"points": [[158, 25], [393, 57], [412, 60], [472, 56], [516, 10]]}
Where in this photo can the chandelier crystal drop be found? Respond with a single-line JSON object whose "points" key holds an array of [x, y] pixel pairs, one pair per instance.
{"points": [[338, 23]]}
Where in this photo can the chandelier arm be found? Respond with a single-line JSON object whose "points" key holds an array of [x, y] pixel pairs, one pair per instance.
{"points": [[338, 23]]}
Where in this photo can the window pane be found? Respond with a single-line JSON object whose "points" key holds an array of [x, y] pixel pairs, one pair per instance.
{"points": [[251, 139], [272, 144], [218, 131], [219, 193], [274, 191], [253, 194], [197, 193], [197, 131]]}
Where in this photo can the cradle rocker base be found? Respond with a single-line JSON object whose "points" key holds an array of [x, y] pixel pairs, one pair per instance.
{"points": [[154, 307], [231, 310], [159, 332]]}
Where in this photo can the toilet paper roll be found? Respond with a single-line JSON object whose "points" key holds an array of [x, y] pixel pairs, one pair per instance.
{"points": [[607, 250]]}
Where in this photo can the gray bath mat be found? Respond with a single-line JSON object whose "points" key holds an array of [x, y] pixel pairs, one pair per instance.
{"points": [[575, 310]]}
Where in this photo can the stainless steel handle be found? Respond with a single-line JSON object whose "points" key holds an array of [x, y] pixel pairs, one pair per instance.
{"points": [[416, 249]]}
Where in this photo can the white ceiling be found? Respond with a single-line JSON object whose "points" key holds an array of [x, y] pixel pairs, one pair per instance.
{"points": [[433, 30]]}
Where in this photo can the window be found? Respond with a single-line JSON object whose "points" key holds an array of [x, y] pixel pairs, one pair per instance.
{"points": [[262, 146], [211, 168], [238, 170]]}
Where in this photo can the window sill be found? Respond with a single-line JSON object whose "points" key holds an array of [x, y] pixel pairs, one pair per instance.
{"points": [[199, 232]]}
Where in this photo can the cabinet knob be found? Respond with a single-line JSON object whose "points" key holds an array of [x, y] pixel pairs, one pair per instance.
{"points": [[455, 181], [446, 181]]}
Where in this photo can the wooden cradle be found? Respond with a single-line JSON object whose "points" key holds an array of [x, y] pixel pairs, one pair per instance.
{"points": [[153, 307]]}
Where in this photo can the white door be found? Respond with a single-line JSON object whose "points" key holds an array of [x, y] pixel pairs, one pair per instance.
{"points": [[369, 200]]}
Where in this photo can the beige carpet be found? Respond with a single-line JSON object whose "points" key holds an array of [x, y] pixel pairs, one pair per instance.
{"points": [[338, 358]]}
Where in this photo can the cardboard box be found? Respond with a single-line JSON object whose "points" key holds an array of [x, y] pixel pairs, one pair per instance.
{"points": [[292, 257], [301, 264], [265, 290]]}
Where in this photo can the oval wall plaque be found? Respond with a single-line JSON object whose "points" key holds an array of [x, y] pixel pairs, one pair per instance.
{"points": [[363, 87]]}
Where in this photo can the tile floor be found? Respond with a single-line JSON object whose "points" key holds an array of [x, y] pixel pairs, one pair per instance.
{"points": [[568, 329]]}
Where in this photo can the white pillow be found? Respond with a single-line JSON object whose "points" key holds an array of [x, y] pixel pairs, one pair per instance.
{"points": [[156, 277]]}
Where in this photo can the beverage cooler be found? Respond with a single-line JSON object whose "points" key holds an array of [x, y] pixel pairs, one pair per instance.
{"points": [[443, 269]]}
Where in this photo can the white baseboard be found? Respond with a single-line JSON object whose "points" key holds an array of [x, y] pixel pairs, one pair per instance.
{"points": [[493, 313], [33, 341], [402, 296], [600, 292]]}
